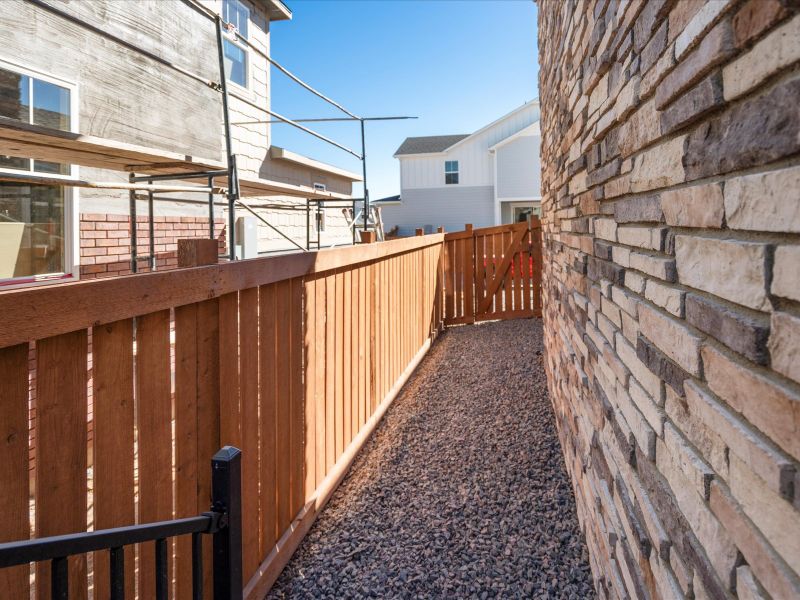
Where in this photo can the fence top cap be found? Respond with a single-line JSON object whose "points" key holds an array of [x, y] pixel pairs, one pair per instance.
{"points": [[227, 453]]}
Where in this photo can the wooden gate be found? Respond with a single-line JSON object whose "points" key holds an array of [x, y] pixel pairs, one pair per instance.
{"points": [[493, 273]]}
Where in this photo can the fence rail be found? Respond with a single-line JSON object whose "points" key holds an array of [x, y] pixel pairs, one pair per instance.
{"points": [[292, 358]]}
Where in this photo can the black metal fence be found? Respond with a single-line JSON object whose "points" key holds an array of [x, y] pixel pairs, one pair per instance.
{"points": [[223, 522]]}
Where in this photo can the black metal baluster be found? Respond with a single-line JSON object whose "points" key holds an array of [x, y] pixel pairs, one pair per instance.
{"points": [[117, 571], [162, 571], [197, 566], [226, 492], [59, 578]]}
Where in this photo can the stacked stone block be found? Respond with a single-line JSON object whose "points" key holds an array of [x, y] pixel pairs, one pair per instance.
{"points": [[671, 215]]}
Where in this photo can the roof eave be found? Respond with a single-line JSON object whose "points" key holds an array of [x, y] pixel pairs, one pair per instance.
{"points": [[277, 10], [407, 154], [278, 153]]}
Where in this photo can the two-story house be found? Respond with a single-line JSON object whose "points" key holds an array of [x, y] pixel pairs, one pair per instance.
{"points": [[485, 178], [144, 73]]}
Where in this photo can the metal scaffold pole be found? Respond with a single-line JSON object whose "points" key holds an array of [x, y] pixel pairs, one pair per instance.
{"points": [[233, 182], [364, 174]]}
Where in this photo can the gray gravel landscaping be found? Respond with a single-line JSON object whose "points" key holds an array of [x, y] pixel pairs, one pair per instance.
{"points": [[462, 490]]}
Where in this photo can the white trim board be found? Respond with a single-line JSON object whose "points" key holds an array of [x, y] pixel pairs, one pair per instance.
{"points": [[531, 130], [279, 153]]}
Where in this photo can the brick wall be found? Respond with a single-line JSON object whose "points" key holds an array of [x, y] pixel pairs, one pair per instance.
{"points": [[105, 242], [671, 183]]}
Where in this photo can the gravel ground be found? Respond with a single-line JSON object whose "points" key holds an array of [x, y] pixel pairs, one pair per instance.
{"points": [[461, 491]]}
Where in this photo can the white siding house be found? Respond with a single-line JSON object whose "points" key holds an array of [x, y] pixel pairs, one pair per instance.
{"points": [[486, 178]]}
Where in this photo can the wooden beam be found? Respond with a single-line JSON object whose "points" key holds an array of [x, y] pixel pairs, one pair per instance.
{"points": [[45, 143], [106, 185]]}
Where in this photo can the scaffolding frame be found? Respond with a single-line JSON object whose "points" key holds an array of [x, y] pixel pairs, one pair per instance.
{"points": [[139, 181]]}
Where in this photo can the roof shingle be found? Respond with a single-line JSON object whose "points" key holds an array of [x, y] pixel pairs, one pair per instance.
{"points": [[429, 143]]}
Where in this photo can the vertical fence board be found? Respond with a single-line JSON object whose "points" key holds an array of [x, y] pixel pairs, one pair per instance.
{"points": [[347, 367], [536, 242], [330, 372], [207, 414], [15, 488], [450, 279], [248, 399], [363, 336], [469, 279], [296, 410], [113, 411], [268, 385], [154, 415], [309, 368], [186, 466], [319, 376], [372, 396], [283, 418], [339, 362], [61, 445], [356, 413], [229, 411]]}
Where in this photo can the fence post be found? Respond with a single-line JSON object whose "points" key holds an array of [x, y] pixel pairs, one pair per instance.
{"points": [[226, 497], [197, 252]]}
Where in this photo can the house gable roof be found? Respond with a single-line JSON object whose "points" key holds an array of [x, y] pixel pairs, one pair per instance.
{"points": [[428, 144], [439, 143]]}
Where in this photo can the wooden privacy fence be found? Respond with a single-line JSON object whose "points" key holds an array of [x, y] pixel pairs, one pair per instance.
{"points": [[493, 273], [292, 358]]}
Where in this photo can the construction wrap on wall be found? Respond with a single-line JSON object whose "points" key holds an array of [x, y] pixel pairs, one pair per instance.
{"points": [[671, 186]]}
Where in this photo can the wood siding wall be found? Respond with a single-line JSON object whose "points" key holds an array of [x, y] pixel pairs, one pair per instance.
{"points": [[293, 359]]}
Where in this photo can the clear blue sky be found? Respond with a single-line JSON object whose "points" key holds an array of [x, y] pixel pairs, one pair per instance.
{"points": [[456, 65]]}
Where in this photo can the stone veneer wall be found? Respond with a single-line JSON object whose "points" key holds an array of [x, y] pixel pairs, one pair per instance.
{"points": [[671, 184]]}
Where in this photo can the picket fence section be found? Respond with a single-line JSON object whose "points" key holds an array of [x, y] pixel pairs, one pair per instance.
{"points": [[493, 273], [291, 358]]}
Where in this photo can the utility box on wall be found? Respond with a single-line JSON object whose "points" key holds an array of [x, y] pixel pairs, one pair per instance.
{"points": [[246, 237]]}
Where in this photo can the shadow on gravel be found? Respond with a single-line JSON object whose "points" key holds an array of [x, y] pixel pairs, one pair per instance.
{"points": [[462, 490]]}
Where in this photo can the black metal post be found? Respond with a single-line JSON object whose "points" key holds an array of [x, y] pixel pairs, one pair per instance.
{"points": [[308, 224], [319, 222], [134, 241], [354, 221], [364, 174], [226, 489], [151, 228], [162, 570], [59, 579], [233, 180], [117, 573], [211, 209]]}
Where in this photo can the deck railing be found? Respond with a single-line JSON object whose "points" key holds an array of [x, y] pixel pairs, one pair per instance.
{"points": [[291, 358]]}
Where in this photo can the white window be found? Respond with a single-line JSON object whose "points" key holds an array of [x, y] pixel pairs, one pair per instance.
{"points": [[236, 14], [450, 171], [37, 221], [320, 187]]}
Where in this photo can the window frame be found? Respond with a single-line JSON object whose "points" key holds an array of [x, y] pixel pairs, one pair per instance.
{"points": [[71, 193], [234, 38], [455, 172]]}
